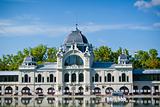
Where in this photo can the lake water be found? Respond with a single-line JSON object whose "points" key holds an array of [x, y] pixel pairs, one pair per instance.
{"points": [[75, 102]]}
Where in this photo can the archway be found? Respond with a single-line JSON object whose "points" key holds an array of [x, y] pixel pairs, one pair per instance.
{"points": [[39, 90], [135, 90], [73, 60], [109, 77], [25, 91], [51, 77], [81, 77], [123, 77], [97, 90], [66, 91], [124, 89], [73, 78], [66, 77], [146, 90], [109, 90], [80, 90], [39, 78], [96, 77], [8, 90], [51, 91]]}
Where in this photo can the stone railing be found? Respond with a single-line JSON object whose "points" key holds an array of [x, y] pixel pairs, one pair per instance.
{"points": [[74, 67], [123, 66], [27, 67]]}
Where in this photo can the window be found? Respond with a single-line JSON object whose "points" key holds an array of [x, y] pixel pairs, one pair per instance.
{"points": [[112, 78], [42, 79], [51, 77], [22, 79], [105, 79], [35, 79], [25, 78], [29, 79], [54, 79], [81, 77], [39, 78], [123, 77], [96, 77], [73, 77], [127, 79], [100, 79], [47, 79], [66, 77], [119, 78], [109, 77], [73, 60]]}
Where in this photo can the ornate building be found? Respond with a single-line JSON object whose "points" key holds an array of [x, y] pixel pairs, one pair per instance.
{"points": [[76, 73]]}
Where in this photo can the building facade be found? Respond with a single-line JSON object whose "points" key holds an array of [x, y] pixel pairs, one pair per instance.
{"points": [[76, 73]]}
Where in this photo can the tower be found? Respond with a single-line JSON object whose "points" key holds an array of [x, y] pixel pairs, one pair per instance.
{"points": [[74, 57]]}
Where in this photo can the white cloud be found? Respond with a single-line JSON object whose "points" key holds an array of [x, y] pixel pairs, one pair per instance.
{"points": [[157, 25], [146, 4], [16, 28]]}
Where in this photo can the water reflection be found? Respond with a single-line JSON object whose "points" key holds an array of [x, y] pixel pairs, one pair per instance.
{"points": [[75, 101]]}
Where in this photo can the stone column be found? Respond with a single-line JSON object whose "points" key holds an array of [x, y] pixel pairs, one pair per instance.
{"points": [[3, 90], [59, 83], [152, 90], [87, 82], [77, 77]]}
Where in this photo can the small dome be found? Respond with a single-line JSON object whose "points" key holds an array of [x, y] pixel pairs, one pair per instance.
{"points": [[29, 59], [76, 37], [123, 56]]}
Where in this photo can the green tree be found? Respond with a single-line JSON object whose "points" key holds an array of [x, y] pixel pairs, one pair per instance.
{"points": [[39, 52], [102, 54], [153, 53], [51, 54]]}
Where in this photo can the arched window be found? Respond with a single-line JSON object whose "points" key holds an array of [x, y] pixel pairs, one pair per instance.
{"points": [[73, 77], [123, 77], [96, 77], [39, 78], [109, 77], [66, 77], [25, 78], [81, 77], [51, 77], [105, 79], [73, 60]]}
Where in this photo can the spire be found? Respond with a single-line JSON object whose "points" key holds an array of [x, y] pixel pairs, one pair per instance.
{"points": [[77, 26]]}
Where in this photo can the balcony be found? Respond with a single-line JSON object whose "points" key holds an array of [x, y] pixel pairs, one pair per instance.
{"points": [[123, 66], [74, 67], [24, 67]]}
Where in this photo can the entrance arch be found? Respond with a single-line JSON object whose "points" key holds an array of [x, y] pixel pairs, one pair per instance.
{"points": [[124, 89], [81, 89], [39, 90], [25, 91], [109, 90], [97, 90], [8, 90], [146, 90], [66, 91], [51, 91]]}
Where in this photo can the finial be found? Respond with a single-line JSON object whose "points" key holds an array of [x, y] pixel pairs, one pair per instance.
{"points": [[76, 26]]}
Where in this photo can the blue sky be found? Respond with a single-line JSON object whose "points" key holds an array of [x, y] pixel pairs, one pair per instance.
{"points": [[130, 24]]}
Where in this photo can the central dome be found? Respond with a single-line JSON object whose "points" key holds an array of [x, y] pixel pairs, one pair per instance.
{"points": [[76, 37]]}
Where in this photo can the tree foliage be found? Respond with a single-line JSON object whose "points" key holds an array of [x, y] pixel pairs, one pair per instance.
{"points": [[142, 59], [40, 52]]}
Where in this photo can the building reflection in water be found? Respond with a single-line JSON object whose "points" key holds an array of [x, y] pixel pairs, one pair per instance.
{"points": [[72, 101]]}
